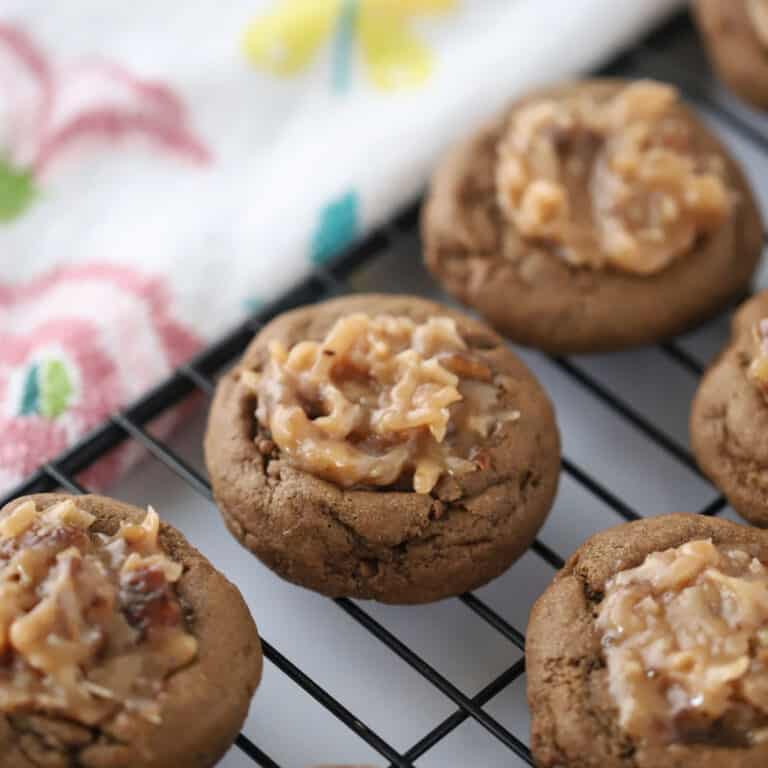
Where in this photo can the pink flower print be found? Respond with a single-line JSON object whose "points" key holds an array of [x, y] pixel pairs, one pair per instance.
{"points": [[48, 109], [34, 425], [76, 345]]}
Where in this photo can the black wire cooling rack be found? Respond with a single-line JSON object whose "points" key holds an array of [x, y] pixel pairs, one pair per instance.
{"points": [[671, 53]]}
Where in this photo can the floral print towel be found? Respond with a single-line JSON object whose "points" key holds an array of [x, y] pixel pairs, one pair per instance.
{"points": [[165, 167]]}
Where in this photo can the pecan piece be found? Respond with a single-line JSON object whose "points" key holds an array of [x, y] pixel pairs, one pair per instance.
{"points": [[466, 366]]}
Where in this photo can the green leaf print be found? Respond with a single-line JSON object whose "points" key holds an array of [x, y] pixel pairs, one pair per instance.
{"points": [[17, 190], [55, 389]]}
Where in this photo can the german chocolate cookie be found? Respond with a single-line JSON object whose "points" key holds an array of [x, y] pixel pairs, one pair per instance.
{"points": [[120, 645], [735, 33], [650, 649], [382, 447], [592, 216], [729, 417]]}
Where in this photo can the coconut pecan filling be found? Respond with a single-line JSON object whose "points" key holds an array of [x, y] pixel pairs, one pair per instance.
{"points": [[90, 624], [758, 368], [617, 183], [685, 637], [380, 400]]}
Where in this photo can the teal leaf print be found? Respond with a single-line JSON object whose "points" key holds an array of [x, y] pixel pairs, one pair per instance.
{"points": [[253, 304], [17, 191], [337, 227], [47, 390], [30, 393]]}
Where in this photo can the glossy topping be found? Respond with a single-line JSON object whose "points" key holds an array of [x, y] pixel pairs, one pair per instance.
{"points": [[758, 369], [90, 624], [758, 15], [610, 183], [378, 401], [685, 637]]}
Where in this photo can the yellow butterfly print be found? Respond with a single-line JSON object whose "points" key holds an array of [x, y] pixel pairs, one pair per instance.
{"points": [[286, 40]]}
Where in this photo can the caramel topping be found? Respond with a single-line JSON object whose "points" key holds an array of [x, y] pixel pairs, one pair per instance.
{"points": [[685, 637], [758, 369], [377, 398], [616, 183], [89, 624]]}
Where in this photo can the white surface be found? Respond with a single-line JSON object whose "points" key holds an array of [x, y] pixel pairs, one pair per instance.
{"points": [[250, 206], [363, 674]]}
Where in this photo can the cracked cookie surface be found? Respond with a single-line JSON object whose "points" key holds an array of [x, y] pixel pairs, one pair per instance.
{"points": [[385, 542], [69, 721], [523, 223], [729, 419], [574, 716]]}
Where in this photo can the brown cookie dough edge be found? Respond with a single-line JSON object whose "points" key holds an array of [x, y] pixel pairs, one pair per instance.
{"points": [[203, 705], [582, 310], [390, 546], [729, 420], [573, 719], [734, 49]]}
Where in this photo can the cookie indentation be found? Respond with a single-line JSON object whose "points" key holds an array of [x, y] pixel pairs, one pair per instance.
{"points": [[90, 624], [685, 636], [615, 183], [380, 398]]}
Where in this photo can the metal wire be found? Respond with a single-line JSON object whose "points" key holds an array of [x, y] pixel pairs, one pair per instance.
{"points": [[197, 376]]}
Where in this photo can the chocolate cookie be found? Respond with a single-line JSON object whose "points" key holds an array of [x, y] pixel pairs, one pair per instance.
{"points": [[729, 417], [121, 647], [592, 216], [735, 33], [382, 447], [649, 649]]}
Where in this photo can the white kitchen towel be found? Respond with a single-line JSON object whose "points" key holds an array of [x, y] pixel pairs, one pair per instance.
{"points": [[167, 166]]}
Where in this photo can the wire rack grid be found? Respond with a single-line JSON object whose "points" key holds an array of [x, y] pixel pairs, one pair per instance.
{"points": [[671, 53]]}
